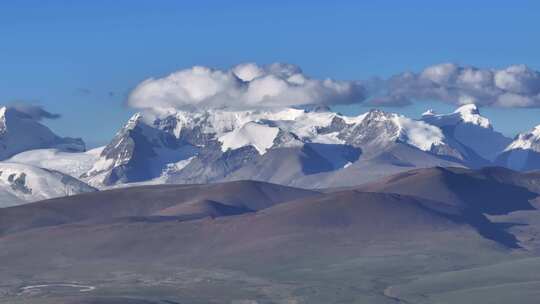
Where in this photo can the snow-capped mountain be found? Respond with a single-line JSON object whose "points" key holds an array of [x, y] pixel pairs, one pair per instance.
{"points": [[187, 147], [523, 153], [19, 133], [20, 184], [470, 129], [377, 129], [301, 147], [138, 152]]}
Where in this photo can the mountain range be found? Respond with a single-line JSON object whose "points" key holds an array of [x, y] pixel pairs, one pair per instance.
{"points": [[307, 148], [271, 206], [430, 235]]}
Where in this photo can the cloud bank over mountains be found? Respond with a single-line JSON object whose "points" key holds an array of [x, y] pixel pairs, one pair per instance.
{"points": [[514, 86], [249, 85], [243, 86]]}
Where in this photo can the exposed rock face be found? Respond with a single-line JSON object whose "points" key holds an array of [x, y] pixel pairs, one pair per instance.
{"points": [[138, 152], [337, 125]]}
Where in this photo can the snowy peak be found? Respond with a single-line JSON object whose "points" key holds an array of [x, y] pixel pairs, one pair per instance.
{"points": [[138, 152], [429, 112], [19, 132], [133, 121], [381, 128], [523, 153], [468, 114], [378, 115], [467, 127], [469, 108], [526, 141]]}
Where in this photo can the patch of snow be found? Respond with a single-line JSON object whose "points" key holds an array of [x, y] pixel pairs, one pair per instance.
{"points": [[71, 163], [330, 138], [260, 136], [418, 133], [29, 183]]}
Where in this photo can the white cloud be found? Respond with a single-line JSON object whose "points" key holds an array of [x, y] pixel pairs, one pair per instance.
{"points": [[191, 87], [249, 85], [245, 85], [518, 79], [514, 86], [247, 71], [32, 111]]}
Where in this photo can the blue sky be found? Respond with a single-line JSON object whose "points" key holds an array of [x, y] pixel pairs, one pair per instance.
{"points": [[81, 58]]}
